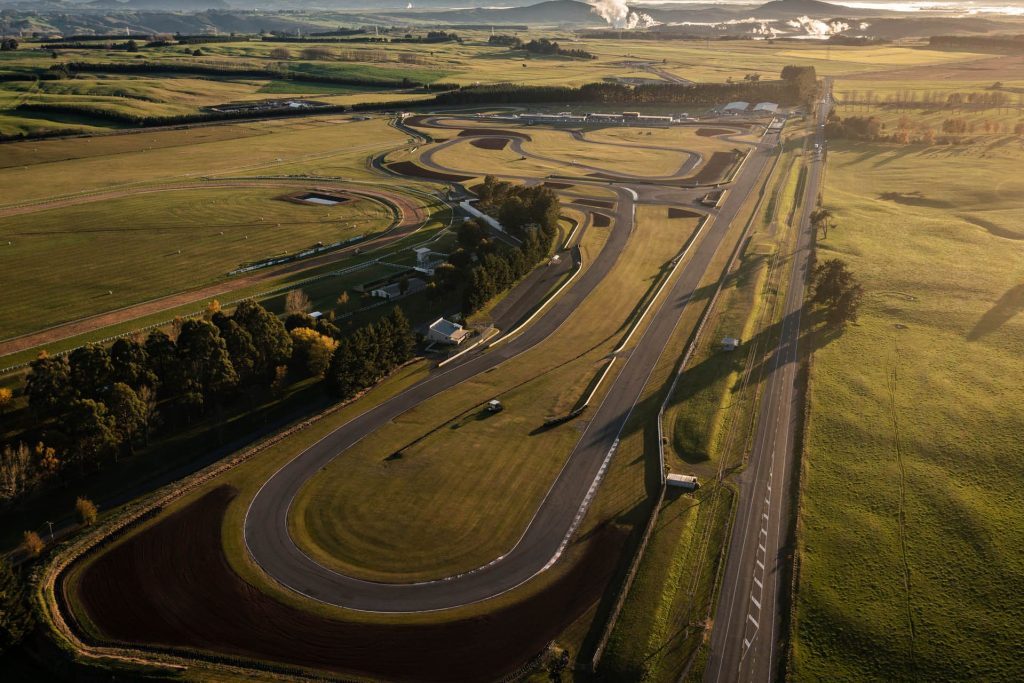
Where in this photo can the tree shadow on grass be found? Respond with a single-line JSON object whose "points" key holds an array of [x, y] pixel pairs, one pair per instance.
{"points": [[815, 333], [1009, 304]]}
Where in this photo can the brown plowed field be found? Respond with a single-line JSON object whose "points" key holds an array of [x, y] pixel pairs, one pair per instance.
{"points": [[416, 119], [490, 143], [715, 168], [674, 212], [601, 220], [171, 586], [711, 132], [599, 203], [411, 169]]}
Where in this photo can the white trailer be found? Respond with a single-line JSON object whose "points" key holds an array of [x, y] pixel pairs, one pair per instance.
{"points": [[683, 481]]}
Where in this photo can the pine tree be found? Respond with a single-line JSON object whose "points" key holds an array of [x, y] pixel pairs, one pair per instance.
{"points": [[402, 340], [16, 618]]}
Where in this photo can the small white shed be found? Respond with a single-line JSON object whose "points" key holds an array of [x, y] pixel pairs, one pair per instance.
{"points": [[447, 332]]}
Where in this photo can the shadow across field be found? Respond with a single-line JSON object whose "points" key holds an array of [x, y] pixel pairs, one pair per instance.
{"points": [[915, 199], [815, 333], [1009, 304]]}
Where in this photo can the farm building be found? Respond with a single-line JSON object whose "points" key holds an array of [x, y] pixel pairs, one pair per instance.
{"points": [[766, 107], [445, 331], [730, 344], [736, 107], [393, 290]]}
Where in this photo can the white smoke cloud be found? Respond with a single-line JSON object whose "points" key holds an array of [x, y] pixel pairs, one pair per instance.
{"points": [[816, 28], [765, 29], [618, 14], [640, 20]]}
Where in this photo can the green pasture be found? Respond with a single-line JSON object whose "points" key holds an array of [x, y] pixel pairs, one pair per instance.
{"points": [[471, 62], [329, 145], [911, 506], [103, 255]]}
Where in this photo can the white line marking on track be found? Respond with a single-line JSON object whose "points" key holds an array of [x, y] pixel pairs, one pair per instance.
{"points": [[754, 621], [754, 600], [759, 584]]}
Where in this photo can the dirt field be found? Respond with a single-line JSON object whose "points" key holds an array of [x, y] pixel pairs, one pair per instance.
{"points": [[601, 220], [171, 586], [711, 132], [413, 170], [682, 213], [490, 143], [599, 203], [497, 132], [715, 168]]}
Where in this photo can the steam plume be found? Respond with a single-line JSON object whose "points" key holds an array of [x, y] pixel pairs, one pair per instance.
{"points": [[618, 14]]}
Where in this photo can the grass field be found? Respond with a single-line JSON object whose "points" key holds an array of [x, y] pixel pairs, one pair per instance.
{"points": [[101, 248], [323, 292], [455, 456], [911, 505], [470, 62], [149, 226], [319, 145]]}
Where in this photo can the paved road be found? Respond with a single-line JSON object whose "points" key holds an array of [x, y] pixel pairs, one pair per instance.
{"points": [[266, 529], [748, 622]]}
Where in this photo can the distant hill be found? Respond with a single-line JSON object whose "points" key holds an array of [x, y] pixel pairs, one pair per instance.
{"points": [[788, 9], [166, 5], [550, 12]]}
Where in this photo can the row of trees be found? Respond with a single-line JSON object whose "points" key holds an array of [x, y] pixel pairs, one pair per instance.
{"points": [[197, 69], [907, 130], [910, 99], [853, 127], [543, 46], [987, 43], [798, 86], [98, 403]]}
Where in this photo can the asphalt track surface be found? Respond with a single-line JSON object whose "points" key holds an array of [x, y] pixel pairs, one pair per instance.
{"points": [[266, 524], [748, 623]]}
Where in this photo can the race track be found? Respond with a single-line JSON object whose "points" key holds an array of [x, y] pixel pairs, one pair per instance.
{"points": [[266, 524]]}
